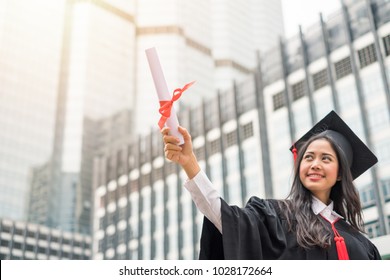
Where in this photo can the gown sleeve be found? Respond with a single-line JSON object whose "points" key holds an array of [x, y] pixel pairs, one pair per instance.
{"points": [[253, 232]]}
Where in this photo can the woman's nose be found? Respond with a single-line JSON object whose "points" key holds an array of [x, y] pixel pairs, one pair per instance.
{"points": [[315, 164]]}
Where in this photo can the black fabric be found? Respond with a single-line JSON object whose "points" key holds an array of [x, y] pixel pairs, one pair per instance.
{"points": [[259, 231]]}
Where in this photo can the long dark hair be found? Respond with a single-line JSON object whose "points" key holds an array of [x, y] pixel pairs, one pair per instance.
{"points": [[310, 228]]}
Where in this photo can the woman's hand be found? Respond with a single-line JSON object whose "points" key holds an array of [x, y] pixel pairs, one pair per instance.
{"points": [[181, 154]]}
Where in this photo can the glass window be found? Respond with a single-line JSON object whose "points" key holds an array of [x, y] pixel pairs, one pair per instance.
{"points": [[343, 67], [386, 43], [247, 130], [214, 146], [231, 138], [367, 55], [386, 188], [320, 79], [298, 90], [278, 100]]}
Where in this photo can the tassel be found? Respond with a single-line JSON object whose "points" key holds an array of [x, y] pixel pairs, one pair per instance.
{"points": [[340, 245], [295, 153]]}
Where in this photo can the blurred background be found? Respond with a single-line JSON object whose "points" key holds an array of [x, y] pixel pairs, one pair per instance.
{"points": [[82, 171]]}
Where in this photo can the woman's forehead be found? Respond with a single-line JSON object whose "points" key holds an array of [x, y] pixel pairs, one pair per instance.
{"points": [[320, 145]]}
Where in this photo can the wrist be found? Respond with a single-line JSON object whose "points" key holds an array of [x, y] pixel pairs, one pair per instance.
{"points": [[191, 167]]}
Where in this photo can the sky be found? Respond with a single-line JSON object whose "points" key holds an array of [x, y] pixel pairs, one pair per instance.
{"points": [[305, 13]]}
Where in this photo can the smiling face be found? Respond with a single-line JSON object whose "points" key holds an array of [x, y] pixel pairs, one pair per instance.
{"points": [[318, 170]]}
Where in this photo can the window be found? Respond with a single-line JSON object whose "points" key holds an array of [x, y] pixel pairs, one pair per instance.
{"points": [[214, 147], [110, 241], [5, 228], [145, 179], [122, 236], [66, 241], [41, 250], [386, 189], [53, 252], [373, 229], [42, 236], [343, 68], [200, 153], [231, 138], [31, 234], [298, 90], [278, 100], [100, 245], [211, 113], [101, 223], [110, 218], [367, 55], [170, 168], [247, 130], [158, 174], [17, 245], [122, 215], [367, 197], [320, 79], [386, 43], [111, 196], [122, 191], [133, 186]]}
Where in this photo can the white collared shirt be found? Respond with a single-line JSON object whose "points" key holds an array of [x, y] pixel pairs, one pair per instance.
{"points": [[324, 210], [207, 200]]}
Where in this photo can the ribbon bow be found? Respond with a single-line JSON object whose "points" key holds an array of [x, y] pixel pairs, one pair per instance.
{"points": [[166, 105]]}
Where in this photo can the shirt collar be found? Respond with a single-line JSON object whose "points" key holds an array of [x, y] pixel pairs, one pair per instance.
{"points": [[326, 211]]}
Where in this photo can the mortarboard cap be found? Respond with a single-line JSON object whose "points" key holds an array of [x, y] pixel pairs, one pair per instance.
{"points": [[359, 156]]}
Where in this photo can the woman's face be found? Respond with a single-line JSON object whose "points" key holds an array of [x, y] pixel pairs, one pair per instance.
{"points": [[319, 169]]}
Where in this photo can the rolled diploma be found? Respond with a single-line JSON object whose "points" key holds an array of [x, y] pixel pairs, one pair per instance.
{"points": [[162, 90]]}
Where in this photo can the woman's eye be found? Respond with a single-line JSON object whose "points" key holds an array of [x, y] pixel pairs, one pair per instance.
{"points": [[326, 158], [308, 157]]}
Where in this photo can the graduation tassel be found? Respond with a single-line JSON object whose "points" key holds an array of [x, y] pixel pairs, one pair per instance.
{"points": [[295, 153], [340, 244]]}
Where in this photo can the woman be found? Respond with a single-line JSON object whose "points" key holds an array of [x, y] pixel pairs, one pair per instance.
{"points": [[320, 219]]}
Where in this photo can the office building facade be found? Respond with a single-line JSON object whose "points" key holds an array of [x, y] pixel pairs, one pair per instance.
{"points": [[26, 241], [242, 138], [68, 64]]}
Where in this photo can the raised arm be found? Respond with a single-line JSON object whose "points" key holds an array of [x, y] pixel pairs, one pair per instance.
{"points": [[205, 197]]}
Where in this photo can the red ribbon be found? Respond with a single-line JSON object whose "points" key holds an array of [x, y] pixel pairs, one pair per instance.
{"points": [[166, 105]]}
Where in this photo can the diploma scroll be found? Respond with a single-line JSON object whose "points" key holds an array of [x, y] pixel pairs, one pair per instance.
{"points": [[162, 91]]}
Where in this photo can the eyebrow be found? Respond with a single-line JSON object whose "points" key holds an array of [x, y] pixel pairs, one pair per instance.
{"points": [[324, 154]]}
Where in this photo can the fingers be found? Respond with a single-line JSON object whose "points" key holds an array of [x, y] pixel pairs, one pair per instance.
{"points": [[172, 152], [169, 139], [184, 132], [165, 130], [172, 147]]}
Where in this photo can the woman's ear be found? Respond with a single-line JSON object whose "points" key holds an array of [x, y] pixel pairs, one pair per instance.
{"points": [[338, 178]]}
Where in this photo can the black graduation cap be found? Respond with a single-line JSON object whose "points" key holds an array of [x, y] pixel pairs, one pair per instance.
{"points": [[359, 156]]}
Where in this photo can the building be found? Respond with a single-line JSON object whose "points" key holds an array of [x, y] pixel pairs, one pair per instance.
{"points": [[29, 78], [212, 42], [26, 241], [82, 62], [242, 138]]}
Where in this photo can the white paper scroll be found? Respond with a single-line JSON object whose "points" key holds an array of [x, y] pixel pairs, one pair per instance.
{"points": [[162, 90]]}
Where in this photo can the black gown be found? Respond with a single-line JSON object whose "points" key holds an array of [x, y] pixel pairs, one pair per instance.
{"points": [[259, 231]]}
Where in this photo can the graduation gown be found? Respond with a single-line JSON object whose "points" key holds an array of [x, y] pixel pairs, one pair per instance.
{"points": [[260, 231]]}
